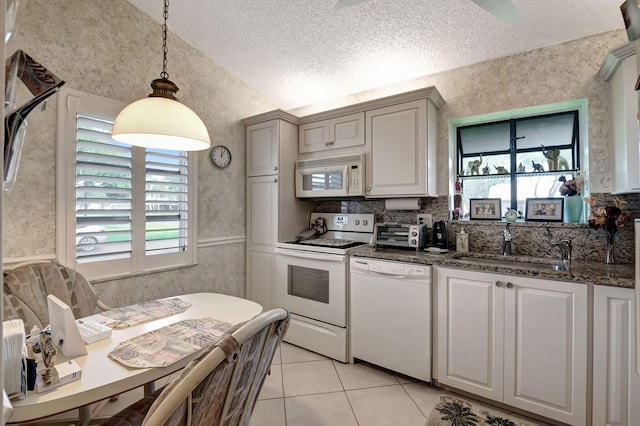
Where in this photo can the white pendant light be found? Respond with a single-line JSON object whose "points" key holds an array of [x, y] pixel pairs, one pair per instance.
{"points": [[160, 121]]}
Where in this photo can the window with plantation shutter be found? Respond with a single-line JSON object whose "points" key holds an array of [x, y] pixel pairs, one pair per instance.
{"points": [[121, 209], [103, 192], [166, 201]]}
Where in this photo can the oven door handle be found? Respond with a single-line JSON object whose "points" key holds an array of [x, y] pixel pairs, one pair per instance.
{"points": [[312, 255]]}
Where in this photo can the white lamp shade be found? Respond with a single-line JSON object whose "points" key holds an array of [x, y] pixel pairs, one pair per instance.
{"points": [[163, 123]]}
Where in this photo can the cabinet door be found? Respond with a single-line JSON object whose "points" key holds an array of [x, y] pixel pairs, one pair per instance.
{"points": [[616, 386], [545, 352], [397, 137], [260, 270], [470, 331], [340, 132], [347, 131], [313, 137], [262, 212], [262, 148], [624, 106]]}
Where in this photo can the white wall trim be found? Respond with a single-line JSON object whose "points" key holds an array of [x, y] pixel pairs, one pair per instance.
{"points": [[9, 262], [219, 241]]}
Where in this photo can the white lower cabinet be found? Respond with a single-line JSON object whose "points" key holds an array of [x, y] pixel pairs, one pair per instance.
{"points": [[515, 340], [616, 386]]}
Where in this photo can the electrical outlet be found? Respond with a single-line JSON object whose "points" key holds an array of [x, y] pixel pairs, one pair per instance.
{"points": [[425, 218]]}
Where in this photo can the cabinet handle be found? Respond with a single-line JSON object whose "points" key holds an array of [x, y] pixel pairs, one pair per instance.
{"points": [[509, 285], [327, 143], [368, 188], [275, 180], [499, 283], [332, 142], [275, 168]]}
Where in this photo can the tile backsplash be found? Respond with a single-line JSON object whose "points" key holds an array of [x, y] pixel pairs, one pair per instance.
{"points": [[529, 238]]}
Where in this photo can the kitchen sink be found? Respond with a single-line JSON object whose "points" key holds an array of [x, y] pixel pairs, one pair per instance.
{"points": [[517, 261]]}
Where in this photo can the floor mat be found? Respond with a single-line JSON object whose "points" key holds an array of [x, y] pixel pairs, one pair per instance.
{"points": [[452, 411]]}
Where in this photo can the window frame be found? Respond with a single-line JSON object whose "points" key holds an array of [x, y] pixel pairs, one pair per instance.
{"points": [[71, 102], [582, 151]]}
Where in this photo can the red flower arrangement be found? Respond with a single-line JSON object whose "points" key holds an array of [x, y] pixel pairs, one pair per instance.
{"points": [[609, 217]]}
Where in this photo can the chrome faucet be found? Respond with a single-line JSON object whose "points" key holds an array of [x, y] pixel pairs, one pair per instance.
{"points": [[506, 241], [565, 251]]}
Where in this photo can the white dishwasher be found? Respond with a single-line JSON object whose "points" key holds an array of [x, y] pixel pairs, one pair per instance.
{"points": [[391, 315]]}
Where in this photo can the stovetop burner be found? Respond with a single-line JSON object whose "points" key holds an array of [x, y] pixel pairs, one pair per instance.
{"points": [[330, 242]]}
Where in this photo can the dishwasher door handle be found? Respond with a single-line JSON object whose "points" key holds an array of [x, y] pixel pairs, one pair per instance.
{"points": [[382, 274]]}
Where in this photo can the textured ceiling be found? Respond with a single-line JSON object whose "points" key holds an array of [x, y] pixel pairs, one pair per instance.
{"points": [[300, 52]]}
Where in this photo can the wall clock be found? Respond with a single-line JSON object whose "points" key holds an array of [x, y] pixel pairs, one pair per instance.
{"points": [[220, 156]]}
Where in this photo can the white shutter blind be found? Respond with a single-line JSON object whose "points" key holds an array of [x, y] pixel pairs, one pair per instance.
{"points": [[166, 201], [103, 192]]}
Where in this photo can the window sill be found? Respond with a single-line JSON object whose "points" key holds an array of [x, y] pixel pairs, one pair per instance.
{"points": [[106, 278]]}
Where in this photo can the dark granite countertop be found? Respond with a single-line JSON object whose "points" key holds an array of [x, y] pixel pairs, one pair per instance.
{"points": [[599, 273]]}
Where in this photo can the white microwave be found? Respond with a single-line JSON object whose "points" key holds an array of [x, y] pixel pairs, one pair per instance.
{"points": [[334, 177]]}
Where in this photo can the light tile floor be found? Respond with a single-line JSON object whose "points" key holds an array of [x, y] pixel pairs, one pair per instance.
{"points": [[308, 389]]}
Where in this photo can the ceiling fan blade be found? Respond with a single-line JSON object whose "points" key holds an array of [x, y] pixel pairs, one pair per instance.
{"points": [[346, 3], [502, 9]]}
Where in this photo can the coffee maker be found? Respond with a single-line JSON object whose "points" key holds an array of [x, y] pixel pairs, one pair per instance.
{"points": [[440, 239]]}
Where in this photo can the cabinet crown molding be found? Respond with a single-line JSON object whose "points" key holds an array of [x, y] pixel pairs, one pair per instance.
{"points": [[430, 93], [271, 115], [614, 59]]}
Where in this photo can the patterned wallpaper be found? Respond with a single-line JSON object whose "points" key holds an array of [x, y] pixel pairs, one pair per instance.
{"points": [[553, 74], [112, 49]]}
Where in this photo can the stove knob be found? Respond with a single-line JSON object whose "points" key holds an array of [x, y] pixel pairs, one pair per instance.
{"points": [[365, 222], [414, 234], [357, 222]]}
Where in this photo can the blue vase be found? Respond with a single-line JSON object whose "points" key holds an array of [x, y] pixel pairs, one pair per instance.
{"points": [[573, 205]]}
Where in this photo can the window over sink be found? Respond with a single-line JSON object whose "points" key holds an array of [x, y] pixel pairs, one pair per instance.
{"points": [[518, 154]]}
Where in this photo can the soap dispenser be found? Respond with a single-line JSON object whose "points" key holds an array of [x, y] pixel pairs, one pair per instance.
{"points": [[462, 241]]}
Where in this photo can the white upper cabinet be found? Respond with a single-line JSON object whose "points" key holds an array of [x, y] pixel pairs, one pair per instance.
{"points": [[263, 146], [402, 144], [620, 69], [339, 132]]}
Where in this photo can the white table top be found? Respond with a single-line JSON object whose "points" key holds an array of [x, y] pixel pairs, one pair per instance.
{"points": [[103, 377]]}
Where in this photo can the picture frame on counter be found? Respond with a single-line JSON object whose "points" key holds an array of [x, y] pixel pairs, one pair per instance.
{"points": [[485, 209], [544, 209]]}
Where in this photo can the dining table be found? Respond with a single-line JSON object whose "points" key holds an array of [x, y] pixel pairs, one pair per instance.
{"points": [[102, 377]]}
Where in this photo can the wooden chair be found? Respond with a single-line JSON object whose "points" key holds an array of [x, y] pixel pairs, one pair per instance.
{"points": [[220, 386]]}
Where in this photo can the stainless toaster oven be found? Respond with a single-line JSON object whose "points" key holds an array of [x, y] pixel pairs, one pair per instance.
{"points": [[401, 235]]}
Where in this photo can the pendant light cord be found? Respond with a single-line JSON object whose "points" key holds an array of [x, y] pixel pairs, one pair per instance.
{"points": [[164, 74]]}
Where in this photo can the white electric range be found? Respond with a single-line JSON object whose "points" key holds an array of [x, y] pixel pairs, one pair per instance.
{"points": [[312, 279]]}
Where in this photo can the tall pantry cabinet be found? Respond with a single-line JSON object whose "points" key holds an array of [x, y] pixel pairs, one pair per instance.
{"points": [[273, 212]]}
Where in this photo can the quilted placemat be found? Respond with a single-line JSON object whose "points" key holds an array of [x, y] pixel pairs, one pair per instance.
{"points": [[166, 345], [145, 312]]}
